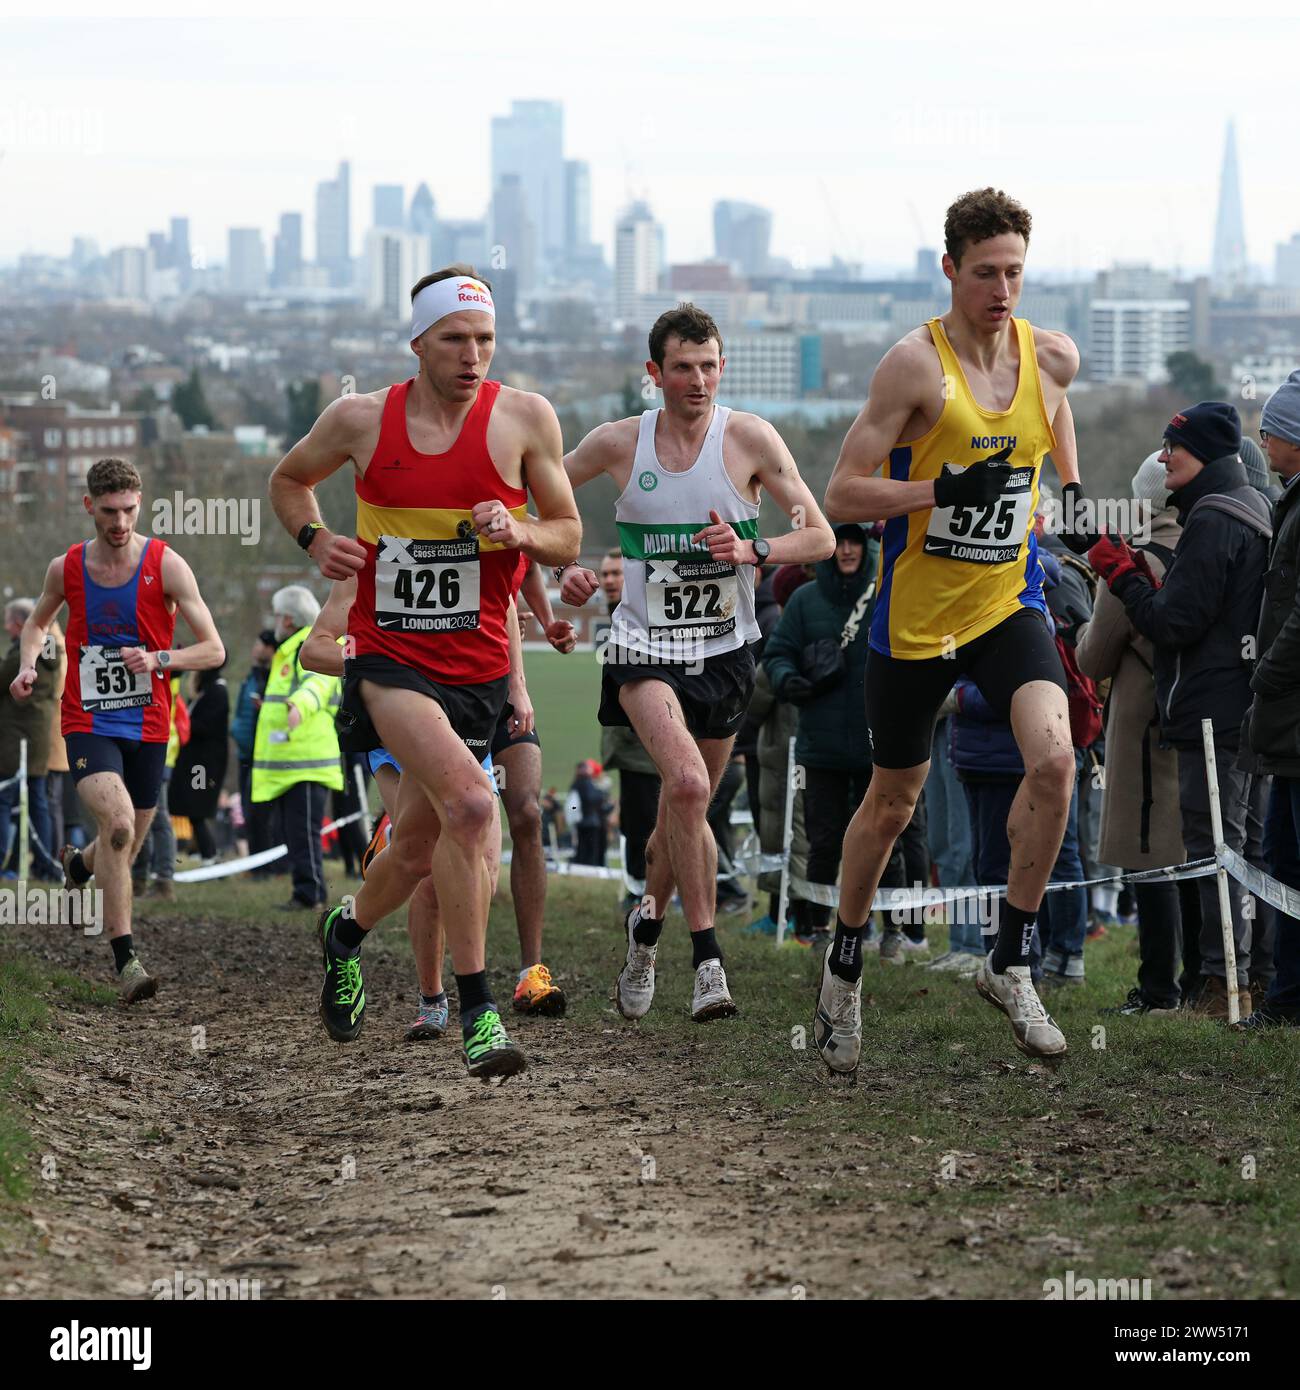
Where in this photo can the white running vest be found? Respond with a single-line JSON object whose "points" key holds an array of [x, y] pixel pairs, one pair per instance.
{"points": [[679, 604]]}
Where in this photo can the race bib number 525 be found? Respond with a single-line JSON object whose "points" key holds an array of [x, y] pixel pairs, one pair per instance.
{"points": [[990, 534]]}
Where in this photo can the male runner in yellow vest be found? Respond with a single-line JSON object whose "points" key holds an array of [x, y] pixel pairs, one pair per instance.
{"points": [[959, 417]]}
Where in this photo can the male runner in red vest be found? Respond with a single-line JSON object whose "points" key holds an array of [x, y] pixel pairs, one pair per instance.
{"points": [[443, 467], [123, 591]]}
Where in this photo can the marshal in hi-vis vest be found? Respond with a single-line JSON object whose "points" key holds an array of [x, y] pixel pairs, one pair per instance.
{"points": [[309, 753]]}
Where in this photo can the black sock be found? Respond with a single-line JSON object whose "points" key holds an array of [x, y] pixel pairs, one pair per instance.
{"points": [[846, 951], [1015, 937], [704, 946], [346, 933], [429, 1000], [645, 931], [123, 948], [77, 870], [474, 996]]}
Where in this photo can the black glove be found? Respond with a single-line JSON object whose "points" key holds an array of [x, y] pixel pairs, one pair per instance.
{"points": [[1073, 532], [797, 690], [975, 486]]}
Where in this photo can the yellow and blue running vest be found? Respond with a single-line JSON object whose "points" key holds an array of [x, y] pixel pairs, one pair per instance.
{"points": [[949, 574]]}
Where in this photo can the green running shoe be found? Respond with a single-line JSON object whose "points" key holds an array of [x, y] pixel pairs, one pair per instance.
{"points": [[488, 1050], [342, 996]]}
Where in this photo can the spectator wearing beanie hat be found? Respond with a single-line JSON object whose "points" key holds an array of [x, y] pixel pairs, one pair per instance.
{"points": [[1200, 621], [1256, 466], [1273, 725], [1139, 802]]}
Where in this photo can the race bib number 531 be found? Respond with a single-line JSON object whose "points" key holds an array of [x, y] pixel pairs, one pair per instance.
{"points": [[107, 683], [426, 586], [990, 534]]}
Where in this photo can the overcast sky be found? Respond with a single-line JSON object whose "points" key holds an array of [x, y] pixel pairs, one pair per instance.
{"points": [[1105, 119]]}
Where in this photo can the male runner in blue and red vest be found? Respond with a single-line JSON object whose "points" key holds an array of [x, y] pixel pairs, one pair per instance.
{"points": [[123, 591], [443, 464]]}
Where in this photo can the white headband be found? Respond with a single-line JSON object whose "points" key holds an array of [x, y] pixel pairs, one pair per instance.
{"points": [[448, 296]]}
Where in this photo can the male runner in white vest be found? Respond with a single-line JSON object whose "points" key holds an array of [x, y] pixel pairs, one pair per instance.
{"points": [[677, 666]]}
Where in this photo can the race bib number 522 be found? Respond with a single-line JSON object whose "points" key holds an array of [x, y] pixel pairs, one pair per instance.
{"points": [[107, 683], [426, 586], [990, 534]]}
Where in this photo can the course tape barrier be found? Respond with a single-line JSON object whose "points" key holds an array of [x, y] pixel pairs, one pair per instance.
{"points": [[252, 861]]}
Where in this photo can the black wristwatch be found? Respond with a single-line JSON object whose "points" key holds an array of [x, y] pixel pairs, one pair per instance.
{"points": [[761, 551], [308, 533], [558, 571]]}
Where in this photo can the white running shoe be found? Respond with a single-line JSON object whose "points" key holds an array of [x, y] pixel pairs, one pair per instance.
{"points": [[1013, 992], [712, 999], [837, 1024], [635, 990], [956, 963]]}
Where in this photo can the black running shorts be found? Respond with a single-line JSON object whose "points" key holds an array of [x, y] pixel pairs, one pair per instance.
{"points": [[904, 697], [714, 693], [473, 711], [139, 765], [503, 737]]}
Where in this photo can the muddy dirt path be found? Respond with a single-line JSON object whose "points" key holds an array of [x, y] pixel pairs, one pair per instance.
{"points": [[217, 1132]]}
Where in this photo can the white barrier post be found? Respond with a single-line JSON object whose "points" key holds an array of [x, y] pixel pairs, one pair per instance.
{"points": [[1225, 903], [786, 840], [24, 825], [363, 801]]}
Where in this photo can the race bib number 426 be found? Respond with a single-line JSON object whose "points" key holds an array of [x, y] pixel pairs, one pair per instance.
{"points": [[107, 684], [426, 586], [990, 534]]}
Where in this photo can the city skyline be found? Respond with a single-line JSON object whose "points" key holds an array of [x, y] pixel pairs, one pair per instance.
{"points": [[865, 176]]}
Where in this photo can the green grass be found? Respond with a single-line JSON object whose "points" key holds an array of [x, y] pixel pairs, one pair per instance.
{"points": [[28, 988], [566, 693]]}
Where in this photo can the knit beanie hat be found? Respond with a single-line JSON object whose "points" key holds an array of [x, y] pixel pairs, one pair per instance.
{"points": [[1256, 464], [788, 579], [1208, 430], [1282, 410], [1149, 484]]}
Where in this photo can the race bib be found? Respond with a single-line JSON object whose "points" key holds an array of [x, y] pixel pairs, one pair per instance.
{"points": [[426, 586], [690, 596], [990, 534], [107, 684]]}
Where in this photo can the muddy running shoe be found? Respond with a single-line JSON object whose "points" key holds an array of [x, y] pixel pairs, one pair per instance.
{"points": [[134, 983], [74, 867], [712, 998], [378, 841], [634, 990], [342, 996], [837, 1024], [1013, 992], [430, 1021], [537, 993], [488, 1050]]}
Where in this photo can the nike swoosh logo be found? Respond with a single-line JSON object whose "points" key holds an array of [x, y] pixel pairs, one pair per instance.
{"points": [[389, 623]]}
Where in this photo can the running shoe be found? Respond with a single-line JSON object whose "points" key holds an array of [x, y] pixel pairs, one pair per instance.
{"points": [[430, 1021], [712, 998], [891, 946], [963, 963], [1013, 992], [837, 1024], [68, 856], [537, 993], [134, 983], [343, 995], [488, 1050], [634, 990], [378, 841]]}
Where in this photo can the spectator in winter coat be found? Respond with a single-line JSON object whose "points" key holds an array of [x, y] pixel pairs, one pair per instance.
{"points": [[1139, 802], [200, 770], [1273, 724], [1202, 621], [243, 729]]}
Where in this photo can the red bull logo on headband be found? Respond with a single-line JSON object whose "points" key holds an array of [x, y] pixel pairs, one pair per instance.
{"points": [[471, 292]]}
